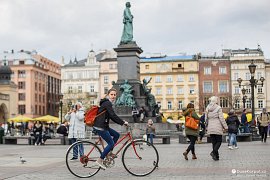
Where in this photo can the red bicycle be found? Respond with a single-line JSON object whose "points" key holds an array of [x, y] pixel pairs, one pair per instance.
{"points": [[139, 157]]}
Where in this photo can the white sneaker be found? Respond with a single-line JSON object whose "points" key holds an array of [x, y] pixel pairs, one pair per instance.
{"points": [[230, 147], [99, 162], [236, 147]]}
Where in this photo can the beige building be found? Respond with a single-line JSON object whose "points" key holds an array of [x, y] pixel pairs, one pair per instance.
{"points": [[174, 81], [267, 83], [240, 60], [108, 71], [38, 81]]}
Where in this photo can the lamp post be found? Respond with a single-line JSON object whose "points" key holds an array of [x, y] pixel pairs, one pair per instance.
{"points": [[253, 84], [61, 106], [244, 97]]}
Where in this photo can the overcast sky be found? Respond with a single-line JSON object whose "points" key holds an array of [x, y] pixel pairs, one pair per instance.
{"points": [[57, 28]]}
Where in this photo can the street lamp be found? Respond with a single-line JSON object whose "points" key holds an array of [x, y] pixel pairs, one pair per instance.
{"points": [[244, 97], [61, 106], [253, 83]]}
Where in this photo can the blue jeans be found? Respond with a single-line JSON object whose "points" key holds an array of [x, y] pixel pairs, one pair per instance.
{"points": [[232, 139], [246, 128], [77, 148], [107, 136], [150, 136]]}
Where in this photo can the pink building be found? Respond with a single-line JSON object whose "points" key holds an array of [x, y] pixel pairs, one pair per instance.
{"points": [[38, 80]]}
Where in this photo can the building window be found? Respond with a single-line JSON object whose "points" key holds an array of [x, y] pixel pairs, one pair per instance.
{"points": [[43, 99], [70, 75], [39, 98], [43, 88], [248, 91], [180, 90], [248, 76], [79, 89], [169, 105], [21, 85], [259, 88], [70, 89], [207, 87], [92, 102], [36, 86], [191, 90], [79, 75], [260, 104], [259, 75], [92, 88], [110, 66], [191, 78], [21, 96], [21, 73], [235, 76], [236, 90], [223, 86], [159, 92], [39, 87], [224, 102], [106, 79], [158, 79], [207, 70], [222, 70], [21, 109], [169, 78], [237, 104], [180, 78], [248, 103], [36, 99], [146, 66], [179, 65], [180, 105], [106, 89], [169, 90]]}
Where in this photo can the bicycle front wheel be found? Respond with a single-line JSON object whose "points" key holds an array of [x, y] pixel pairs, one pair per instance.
{"points": [[81, 157], [140, 158]]}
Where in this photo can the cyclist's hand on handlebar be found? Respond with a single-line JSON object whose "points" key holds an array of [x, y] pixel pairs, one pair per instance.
{"points": [[125, 123]]}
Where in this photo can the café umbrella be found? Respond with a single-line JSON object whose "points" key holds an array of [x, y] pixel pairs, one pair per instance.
{"points": [[48, 118], [20, 118]]}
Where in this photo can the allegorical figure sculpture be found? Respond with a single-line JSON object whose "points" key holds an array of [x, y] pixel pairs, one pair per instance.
{"points": [[126, 98], [151, 100], [127, 34]]}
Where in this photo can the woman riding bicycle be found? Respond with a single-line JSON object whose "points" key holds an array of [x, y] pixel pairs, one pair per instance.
{"points": [[101, 125]]}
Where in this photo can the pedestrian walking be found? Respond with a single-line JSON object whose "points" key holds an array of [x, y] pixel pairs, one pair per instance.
{"points": [[215, 125], [150, 130], [191, 134], [101, 125], [76, 127], [233, 125], [264, 121], [202, 128]]}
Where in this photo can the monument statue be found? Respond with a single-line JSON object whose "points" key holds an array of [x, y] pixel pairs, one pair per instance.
{"points": [[126, 98], [150, 97], [127, 34]]}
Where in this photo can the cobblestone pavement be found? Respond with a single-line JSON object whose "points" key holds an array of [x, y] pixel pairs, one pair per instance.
{"points": [[250, 161]]}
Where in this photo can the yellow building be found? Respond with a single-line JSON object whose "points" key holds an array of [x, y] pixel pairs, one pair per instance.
{"points": [[8, 95], [174, 82]]}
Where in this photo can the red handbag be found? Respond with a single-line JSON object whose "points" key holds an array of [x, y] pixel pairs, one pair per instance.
{"points": [[192, 123]]}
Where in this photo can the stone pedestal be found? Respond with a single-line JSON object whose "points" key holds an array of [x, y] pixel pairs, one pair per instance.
{"points": [[128, 63]]}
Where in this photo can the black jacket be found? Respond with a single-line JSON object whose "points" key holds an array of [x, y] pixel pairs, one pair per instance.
{"points": [[233, 123], [103, 120]]}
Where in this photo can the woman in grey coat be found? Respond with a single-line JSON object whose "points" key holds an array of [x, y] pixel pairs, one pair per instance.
{"points": [[215, 125]]}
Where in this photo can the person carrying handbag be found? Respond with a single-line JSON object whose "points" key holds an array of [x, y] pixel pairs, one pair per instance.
{"points": [[215, 125], [191, 134]]}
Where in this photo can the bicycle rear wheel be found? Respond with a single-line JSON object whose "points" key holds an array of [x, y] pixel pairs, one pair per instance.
{"points": [[140, 158], [81, 157]]}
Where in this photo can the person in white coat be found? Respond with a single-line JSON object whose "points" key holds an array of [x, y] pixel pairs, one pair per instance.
{"points": [[76, 127]]}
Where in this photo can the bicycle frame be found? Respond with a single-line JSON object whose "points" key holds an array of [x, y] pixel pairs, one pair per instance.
{"points": [[129, 139]]}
